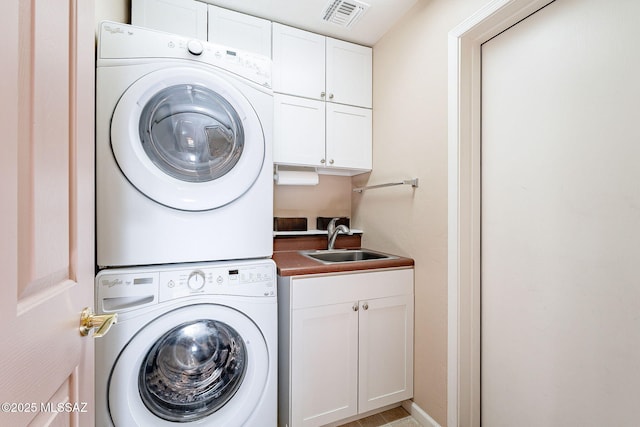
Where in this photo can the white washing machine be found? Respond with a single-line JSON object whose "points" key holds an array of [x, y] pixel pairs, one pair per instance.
{"points": [[194, 344], [184, 169]]}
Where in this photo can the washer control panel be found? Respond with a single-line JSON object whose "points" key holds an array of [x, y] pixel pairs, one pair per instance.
{"points": [[257, 280], [132, 288]]}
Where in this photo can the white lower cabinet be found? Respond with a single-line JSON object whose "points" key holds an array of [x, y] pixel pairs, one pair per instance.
{"points": [[324, 356], [345, 345], [386, 351]]}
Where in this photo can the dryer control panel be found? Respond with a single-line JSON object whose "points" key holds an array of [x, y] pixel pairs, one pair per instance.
{"points": [[124, 43], [133, 288]]}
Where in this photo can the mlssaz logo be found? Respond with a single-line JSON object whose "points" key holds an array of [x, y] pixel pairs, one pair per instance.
{"points": [[64, 407]]}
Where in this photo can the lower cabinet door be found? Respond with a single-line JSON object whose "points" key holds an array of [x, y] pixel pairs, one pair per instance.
{"points": [[386, 351], [324, 369]]}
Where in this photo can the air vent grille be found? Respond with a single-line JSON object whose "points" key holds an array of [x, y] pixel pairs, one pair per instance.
{"points": [[344, 12]]}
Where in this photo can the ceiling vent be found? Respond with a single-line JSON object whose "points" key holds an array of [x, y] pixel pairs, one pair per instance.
{"points": [[344, 13]]}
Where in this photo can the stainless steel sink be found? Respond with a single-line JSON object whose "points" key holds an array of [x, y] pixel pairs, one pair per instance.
{"points": [[346, 255]]}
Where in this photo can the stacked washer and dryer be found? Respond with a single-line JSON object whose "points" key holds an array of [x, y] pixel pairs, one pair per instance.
{"points": [[183, 211]]}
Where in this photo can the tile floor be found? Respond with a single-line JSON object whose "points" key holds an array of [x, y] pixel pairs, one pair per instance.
{"points": [[396, 417]]}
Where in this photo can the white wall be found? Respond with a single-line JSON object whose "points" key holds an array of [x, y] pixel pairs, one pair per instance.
{"points": [[331, 197], [113, 10], [410, 140]]}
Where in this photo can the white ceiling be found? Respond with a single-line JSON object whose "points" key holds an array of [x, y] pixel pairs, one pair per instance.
{"points": [[306, 14]]}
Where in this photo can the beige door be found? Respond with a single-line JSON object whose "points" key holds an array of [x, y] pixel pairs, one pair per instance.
{"points": [[560, 219], [46, 211]]}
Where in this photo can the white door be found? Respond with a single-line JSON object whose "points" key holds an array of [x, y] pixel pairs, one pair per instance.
{"points": [[46, 181], [184, 17], [298, 131], [324, 384], [385, 351], [349, 73], [560, 218], [349, 135], [298, 62], [238, 30]]}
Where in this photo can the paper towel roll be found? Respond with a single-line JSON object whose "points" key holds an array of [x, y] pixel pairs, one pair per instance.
{"points": [[296, 178]]}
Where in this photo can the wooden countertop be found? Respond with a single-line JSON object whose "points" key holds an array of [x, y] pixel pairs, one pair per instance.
{"points": [[292, 263]]}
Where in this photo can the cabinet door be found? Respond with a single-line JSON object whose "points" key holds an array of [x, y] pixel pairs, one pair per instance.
{"points": [[298, 62], [298, 131], [348, 142], [349, 73], [324, 368], [184, 17], [386, 351], [239, 31]]}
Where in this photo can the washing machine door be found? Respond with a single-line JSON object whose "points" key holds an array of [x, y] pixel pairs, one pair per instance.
{"points": [[204, 364], [187, 138]]}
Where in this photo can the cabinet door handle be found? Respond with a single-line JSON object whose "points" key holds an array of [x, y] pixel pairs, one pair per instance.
{"points": [[331, 161], [322, 94], [365, 306], [330, 96], [322, 161], [355, 306]]}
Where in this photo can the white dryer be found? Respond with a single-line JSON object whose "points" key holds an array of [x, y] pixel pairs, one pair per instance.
{"points": [[194, 344], [183, 150]]}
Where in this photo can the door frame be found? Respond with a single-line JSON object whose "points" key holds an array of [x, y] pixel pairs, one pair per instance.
{"points": [[464, 113]]}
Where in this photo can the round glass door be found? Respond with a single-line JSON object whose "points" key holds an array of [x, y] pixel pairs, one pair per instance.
{"points": [[191, 133], [202, 364], [192, 370], [187, 138]]}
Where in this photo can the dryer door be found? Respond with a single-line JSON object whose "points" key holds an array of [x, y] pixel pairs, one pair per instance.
{"points": [[200, 364], [187, 138]]}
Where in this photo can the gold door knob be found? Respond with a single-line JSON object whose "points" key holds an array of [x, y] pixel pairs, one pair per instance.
{"points": [[101, 323]]}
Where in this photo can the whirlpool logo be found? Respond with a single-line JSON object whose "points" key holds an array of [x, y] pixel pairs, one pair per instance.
{"points": [[116, 30], [110, 283]]}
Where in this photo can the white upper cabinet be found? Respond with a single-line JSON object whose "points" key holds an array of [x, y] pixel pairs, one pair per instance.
{"points": [[199, 20], [318, 67], [299, 131], [184, 17], [333, 137], [348, 137], [348, 73], [240, 31], [322, 115], [298, 62]]}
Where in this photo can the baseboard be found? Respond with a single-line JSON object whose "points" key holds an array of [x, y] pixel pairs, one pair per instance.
{"points": [[419, 414]]}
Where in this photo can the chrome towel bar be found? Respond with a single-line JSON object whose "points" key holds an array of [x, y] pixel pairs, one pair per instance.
{"points": [[412, 182]]}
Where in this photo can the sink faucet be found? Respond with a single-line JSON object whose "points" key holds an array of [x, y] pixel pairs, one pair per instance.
{"points": [[332, 232]]}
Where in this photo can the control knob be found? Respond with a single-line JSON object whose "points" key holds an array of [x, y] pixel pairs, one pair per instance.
{"points": [[196, 280], [195, 47]]}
